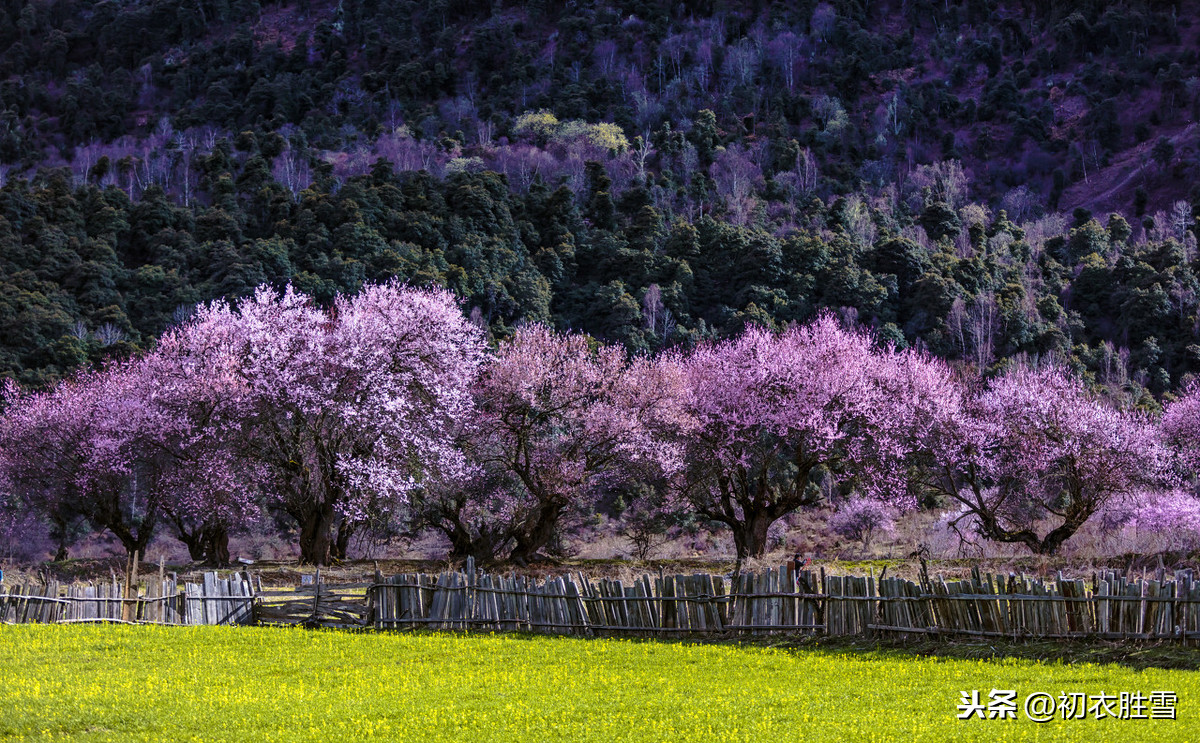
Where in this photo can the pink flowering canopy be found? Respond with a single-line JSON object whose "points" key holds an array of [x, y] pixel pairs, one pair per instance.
{"points": [[387, 405], [557, 419], [767, 409], [1034, 455], [1181, 427], [1155, 520], [339, 414], [206, 488], [92, 448]]}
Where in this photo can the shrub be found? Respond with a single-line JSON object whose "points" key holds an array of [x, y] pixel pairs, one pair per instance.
{"points": [[861, 520]]}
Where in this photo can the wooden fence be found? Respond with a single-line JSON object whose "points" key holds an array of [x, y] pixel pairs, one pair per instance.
{"points": [[783, 600], [164, 601]]}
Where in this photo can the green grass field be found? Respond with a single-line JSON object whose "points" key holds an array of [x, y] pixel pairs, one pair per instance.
{"points": [[262, 684]]}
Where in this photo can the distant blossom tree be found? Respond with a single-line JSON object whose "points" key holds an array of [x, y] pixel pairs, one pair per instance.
{"points": [[1155, 520], [861, 520], [1181, 428]]}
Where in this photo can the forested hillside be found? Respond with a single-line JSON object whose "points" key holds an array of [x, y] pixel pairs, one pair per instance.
{"points": [[983, 179]]}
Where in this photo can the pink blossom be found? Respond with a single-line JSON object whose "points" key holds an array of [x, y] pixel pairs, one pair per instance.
{"points": [[331, 416], [1181, 427], [343, 413]]}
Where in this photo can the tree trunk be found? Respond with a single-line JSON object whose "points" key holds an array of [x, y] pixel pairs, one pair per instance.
{"points": [[132, 541], [465, 542], [750, 536], [193, 539], [216, 545], [195, 545], [1051, 543], [60, 531], [315, 536], [537, 531], [463, 545], [341, 545], [1047, 545]]}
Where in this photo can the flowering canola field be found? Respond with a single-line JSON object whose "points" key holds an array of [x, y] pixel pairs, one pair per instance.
{"points": [[260, 684]]}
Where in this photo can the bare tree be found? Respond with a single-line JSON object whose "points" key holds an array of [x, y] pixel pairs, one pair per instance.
{"points": [[824, 18], [860, 225], [741, 63], [109, 334], [655, 315], [550, 50], [786, 50], [641, 150], [1181, 219], [894, 105], [484, 132], [1020, 203], [605, 54], [1090, 154], [806, 169], [945, 180], [735, 174], [956, 326], [185, 144], [983, 320], [85, 157], [675, 48], [291, 169], [703, 71], [1114, 365]]}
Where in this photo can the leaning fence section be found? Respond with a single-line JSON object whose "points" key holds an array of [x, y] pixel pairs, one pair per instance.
{"points": [[214, 600], [1109, 606], [648, 606]]}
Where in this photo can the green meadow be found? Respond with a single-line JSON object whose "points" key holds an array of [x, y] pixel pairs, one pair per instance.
{"points": [[124, 683]]}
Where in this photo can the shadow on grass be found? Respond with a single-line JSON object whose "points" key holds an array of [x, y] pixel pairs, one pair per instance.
{"points": [[1136, 655]]}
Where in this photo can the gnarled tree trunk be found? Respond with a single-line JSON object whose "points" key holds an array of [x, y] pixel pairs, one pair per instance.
{"points": [[537, 530], [1048, 545], [316, 538], [750, 535], [216, 545], [193, 539]]}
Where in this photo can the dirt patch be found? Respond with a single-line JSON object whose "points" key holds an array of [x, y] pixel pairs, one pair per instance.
{"points": [[1112, 188]]}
